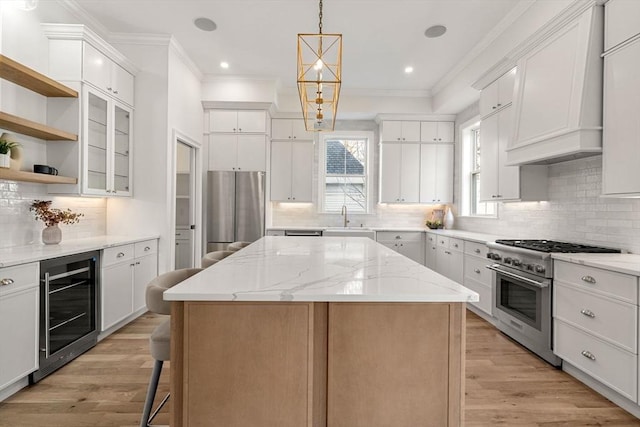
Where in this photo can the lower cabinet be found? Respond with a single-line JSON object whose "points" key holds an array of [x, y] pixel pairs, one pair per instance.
{"points": [[19, 302], [450, 258], [477, 277], [184, 249], [409, 244], [595, 313], [431, 251], [126, 271]]}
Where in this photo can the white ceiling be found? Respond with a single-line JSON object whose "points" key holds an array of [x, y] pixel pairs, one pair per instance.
{"points": [[258, 37]]}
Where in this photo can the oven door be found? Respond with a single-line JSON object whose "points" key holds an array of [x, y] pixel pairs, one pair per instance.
{"points": [[523, 308]]}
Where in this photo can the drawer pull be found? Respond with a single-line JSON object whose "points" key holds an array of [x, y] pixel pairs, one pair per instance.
{"points": [[588, 354], [147, 248], [455, 245], [447, 252], [588, 279], [398, 237], [120, 254], [477, 251], [477, 270], [588, 313], [6, 282]]}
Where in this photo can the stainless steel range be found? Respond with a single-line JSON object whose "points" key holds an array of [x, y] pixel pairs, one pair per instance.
{"points": [[523, 278]]}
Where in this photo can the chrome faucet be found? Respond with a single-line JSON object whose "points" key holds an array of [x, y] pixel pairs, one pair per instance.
{"points": [[344, 212]]}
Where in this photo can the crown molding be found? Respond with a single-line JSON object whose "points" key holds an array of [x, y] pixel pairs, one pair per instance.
{"points": [[237, 105], [145, 39], [82, 15], [415, 117], [359, 92], [177, 48]]}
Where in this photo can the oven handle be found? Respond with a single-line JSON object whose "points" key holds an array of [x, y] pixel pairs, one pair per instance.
{"points": [[515, 276]]}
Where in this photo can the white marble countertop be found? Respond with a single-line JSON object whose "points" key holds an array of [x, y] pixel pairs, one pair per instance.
{"points": [[37, 252], [336, 269], [621, 263]]}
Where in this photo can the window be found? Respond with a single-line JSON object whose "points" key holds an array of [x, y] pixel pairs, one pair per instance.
{"points": [[344, 172], [471, 168]]}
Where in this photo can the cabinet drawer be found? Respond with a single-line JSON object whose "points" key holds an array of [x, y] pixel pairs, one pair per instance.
{"points": [[475, 268], [19, 277], [456, 244], [616, 285], [117, 254], [432, 239], [180, 235], [442, 241], [486, 299], [609, 319], [406, 236], [476, 249], [608, 364], [149, 247]]}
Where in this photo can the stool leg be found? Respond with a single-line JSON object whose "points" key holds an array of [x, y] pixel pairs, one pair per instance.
{"points": [[151, 392]]}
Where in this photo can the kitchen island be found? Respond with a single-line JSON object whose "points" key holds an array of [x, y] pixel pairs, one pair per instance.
{"points": [[332, 331]]}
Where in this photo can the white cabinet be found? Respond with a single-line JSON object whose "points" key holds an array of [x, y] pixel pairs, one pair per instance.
{"points": [[596, 324], [233, 121], [19, 302], [431, 251], [436, 131], [501, 182], [400, 131], [126, 271], [450, 258], [477, 277], [284, 129], [622, 18], [229, 152], [106, 75], [498, 94], [184, 249], [621, 133], [399, 173], [291, 171], [558, 94], [407, 243], [436, 173]]}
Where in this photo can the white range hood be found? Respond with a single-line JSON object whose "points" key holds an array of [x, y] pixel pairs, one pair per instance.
{"points": [[558, 91]]}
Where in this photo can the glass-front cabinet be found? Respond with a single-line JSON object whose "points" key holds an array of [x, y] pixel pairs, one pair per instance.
{"points": [[107, 146]]}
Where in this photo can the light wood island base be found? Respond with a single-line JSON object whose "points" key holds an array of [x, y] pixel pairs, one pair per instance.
{"points": [[317, 364]]}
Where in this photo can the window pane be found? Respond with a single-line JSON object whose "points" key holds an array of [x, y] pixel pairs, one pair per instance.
{"points": [[347, 191], [346, 157], [476, 149]]}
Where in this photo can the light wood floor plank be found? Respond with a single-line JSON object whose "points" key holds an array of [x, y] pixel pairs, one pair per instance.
{"points": [[505, 386]]}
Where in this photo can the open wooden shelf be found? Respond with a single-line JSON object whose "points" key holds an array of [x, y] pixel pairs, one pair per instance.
{"points": [[33, 80], [37, 130], [40, 178]]}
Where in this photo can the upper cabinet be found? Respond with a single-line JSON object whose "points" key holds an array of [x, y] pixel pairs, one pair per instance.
{"points": [[436, 173], [436, 131], [286, 129], [291, 171], [399, 173], [621, 135], [400, 131], [558, 93], [233, 121], [103, 115], [498, 94]]}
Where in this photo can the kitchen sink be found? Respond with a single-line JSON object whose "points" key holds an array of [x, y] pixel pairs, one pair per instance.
{"points": [[349, 232]]}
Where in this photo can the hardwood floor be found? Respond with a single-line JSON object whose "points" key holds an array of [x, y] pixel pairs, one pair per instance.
{"points": [[506, 386]]}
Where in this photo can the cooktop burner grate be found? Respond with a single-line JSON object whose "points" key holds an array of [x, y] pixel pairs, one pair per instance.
{"points": [[555, 246]]}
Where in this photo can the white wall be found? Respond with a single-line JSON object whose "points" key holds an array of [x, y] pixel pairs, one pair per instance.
{"points": [[22, 40]]}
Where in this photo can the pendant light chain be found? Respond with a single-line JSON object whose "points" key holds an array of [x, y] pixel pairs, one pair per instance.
{"points": [[320, 20]]}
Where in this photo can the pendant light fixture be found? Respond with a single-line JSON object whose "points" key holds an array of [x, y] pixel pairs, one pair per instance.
{"points": [[319, 77]]}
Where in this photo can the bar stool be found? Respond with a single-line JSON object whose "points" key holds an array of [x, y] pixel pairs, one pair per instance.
{"points": [[160, 340], [236, 246], [212, 257]]}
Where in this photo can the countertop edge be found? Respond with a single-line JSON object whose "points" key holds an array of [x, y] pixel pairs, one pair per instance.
{"points": [[620, 263]]}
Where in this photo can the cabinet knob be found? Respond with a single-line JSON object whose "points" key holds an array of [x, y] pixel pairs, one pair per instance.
{"points": [[494, 107], [6, 282], [447, 252], [109, 89], [434, 139], [455, 245], [115, 92], [499, 105], [588, 279], [588, 354], [137, 262], [234, 129], [147, 248], [398, 237], [239, 129], [588, 313], [120, 254], [293, 198], [477, 270], [477, 251], [439, 139]]}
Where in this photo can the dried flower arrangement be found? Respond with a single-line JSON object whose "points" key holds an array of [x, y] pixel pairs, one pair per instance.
{"points": [[50, 217]]}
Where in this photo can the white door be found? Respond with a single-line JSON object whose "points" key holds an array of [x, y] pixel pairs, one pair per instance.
{"points": [[252, 122], [301, 171], [428, 171], [223, 121], [445, 131], [145, 270], [411, 131], [390, 162], [444, 173], [299, 131], [410, 173], [391, 131], [281, 129], [489, 99], [490, 155], [117, 293], [281, 165], [185, 215], [252, 153], [223, 152], [508, 176], [429, 131]]}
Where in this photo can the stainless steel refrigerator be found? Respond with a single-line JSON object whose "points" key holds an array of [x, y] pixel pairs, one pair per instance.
{"points": [[235, 208]]}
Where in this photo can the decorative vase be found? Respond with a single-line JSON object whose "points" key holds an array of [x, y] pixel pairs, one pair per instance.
{"points": [[448, 219], [52, 235], [5, 160], [16, 158]]}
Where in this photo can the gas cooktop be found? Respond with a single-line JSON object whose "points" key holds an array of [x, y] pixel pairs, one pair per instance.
{"points": [[555, 246]]}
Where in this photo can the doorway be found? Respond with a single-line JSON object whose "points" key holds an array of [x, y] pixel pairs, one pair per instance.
{"points": [[186, 202]]}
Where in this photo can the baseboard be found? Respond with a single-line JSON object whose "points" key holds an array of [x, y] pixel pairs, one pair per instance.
{"points": [[12, 389], [130, 318]]}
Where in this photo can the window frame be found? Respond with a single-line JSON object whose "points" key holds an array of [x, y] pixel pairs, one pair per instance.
{"points": [[470, 178], [368, 136]]}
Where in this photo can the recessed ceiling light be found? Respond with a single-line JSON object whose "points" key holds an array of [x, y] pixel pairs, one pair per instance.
{"points": [[224, 65], [408, 70], [205, 24], [435, 31]]}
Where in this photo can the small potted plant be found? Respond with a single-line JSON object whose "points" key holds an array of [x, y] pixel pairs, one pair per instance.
{"points": [[52, 235], [5, 152]]}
